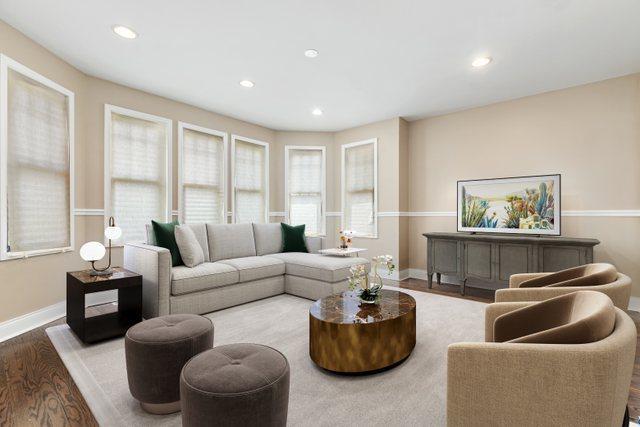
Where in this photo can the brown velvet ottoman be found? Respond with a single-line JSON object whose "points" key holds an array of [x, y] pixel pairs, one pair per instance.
{"points": [[156, 350], [235, 385]]}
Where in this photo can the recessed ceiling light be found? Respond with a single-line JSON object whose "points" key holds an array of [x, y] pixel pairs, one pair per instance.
{"points": [[310, 53], [316, 112], [246, 83], [481, 61], [125, 32]]}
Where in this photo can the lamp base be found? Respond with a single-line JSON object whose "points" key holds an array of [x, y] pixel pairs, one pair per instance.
{"points": [[106, 272]]}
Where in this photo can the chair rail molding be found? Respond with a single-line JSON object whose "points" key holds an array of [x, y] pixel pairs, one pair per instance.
{"points": [[626, 213]]}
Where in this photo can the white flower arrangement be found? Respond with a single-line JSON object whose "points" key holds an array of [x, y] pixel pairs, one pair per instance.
{"points": [[369, 288]]}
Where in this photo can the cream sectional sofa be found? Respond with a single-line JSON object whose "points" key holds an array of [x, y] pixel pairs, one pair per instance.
{"points": [[243, 263]]}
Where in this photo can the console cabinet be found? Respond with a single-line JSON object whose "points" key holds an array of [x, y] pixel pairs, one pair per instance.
{"points": [[487, 261]]}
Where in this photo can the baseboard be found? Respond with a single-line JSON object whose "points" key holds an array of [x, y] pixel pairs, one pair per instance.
{"points": [[19, 325]]}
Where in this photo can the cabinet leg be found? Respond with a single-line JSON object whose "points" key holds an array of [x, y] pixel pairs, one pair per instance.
{"points": [[462, 287], [438, 277], [429, 280]]}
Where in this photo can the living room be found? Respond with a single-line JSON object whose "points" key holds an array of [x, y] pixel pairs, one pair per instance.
{"points": [[382, 128]]}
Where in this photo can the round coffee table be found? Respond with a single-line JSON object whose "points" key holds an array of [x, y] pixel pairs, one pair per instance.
{"points": [[348, 336]]}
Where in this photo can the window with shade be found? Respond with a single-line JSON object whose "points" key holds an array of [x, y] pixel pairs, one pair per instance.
{"points": [[138, 184], [250, 180], [305, 188], [359, 188], [36, 163], [202, 174]]}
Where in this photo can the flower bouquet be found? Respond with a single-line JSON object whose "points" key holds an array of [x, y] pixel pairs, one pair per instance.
{"points": [[345, 238], [369, 287]]}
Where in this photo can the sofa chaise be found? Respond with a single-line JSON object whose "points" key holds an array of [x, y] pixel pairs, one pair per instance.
{"points": [[243, 263]]}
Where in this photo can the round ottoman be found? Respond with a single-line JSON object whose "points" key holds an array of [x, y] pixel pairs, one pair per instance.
{"points": [[156, 350], [235, 385]]}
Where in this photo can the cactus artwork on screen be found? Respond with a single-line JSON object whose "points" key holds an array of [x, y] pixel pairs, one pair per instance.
{"points": [[520, 205]]}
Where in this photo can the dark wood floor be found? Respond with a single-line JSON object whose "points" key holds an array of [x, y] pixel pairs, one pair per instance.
{"points": [[36, 388]]}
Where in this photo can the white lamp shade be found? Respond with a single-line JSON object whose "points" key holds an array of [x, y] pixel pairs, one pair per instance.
{"points": [[112, 233], [92, 251]]}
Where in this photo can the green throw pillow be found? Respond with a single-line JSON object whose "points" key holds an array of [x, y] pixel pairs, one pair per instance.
{"points": [[293, 238], [166, 238]]}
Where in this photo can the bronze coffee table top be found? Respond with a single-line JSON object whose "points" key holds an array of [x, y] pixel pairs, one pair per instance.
{"points": [[349, 336], [346, 308]]}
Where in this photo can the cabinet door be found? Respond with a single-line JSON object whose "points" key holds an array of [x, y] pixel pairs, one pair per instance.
{"points": [[513, 259], [445, 256], [555, 258], [478, 260]]}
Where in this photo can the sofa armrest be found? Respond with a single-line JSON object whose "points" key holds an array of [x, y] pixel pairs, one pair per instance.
{"points": [[154, 264], [493, 311], [516, 279], [502, 384], [314, 243]]}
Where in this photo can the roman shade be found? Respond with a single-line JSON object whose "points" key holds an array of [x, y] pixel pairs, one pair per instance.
{"points": [[39, 149], [138, 173], [202, 165], [250, 181], [359, 188], [305, 188]]}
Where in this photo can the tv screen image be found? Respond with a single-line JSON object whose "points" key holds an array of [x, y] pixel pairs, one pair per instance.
{"points": [[517, 205]]}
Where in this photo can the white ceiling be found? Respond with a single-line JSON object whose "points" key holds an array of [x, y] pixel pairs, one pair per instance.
{"points": [[378, 58]]}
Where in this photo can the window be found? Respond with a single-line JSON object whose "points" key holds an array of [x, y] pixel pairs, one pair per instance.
{"points": [[305, 187], [36, 163], [360, 188], [202, 174], [250, 173], [137, 171]]}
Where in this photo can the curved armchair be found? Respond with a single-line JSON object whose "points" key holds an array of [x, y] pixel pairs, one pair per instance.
{"points": [[525, 382], [600, 277]]}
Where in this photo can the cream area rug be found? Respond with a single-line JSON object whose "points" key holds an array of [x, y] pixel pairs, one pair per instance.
{"points": [[412, 393]]}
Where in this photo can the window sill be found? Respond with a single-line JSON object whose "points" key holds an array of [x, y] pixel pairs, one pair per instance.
{"points": [[30, 254]]}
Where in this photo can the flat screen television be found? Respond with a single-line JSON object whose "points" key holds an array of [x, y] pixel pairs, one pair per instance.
{"points": [[516, 205]]}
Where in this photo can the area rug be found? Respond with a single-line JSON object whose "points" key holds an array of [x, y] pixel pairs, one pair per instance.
{"points": [[413, 393]]}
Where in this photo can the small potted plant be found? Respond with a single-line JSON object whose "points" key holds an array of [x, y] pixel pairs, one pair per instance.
{"points": [[369, 287], [345, 238]]}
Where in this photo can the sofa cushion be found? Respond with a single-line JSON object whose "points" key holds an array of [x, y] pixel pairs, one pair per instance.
{"points": [[200, 230], [293, 239], [165, 238], [209, 275], [190, 250], [268, 238], [319, 267], [228, 241], [256, 267]]}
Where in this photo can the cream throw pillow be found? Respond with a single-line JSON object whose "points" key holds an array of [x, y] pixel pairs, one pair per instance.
{"points": [[190, 249]]}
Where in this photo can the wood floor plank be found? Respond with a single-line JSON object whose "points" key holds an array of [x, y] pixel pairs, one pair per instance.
{"points": [[37, 390]]}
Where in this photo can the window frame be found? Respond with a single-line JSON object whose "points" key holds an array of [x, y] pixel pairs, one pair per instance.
{"points": [[344, 149], [225, 154], [7, 64], [323, 209], [109, 109], [235, 138]]}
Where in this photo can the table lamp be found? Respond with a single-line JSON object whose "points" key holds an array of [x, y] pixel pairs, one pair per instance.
{"points": [[94, 251]]}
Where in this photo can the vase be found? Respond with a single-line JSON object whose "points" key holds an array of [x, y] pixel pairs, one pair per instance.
{"points": [[364, 301]]}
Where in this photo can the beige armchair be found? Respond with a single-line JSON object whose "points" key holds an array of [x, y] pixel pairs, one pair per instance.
{"points": [[524, 382], [600, 277]]}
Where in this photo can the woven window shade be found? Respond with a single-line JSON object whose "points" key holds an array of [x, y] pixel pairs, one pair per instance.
{"points": [[305, 189], [38, 166], [360, 190], [250, 186]]}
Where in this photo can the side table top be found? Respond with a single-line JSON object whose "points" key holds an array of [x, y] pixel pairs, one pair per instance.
{"points": [[340, 251], [118, 273], [346, 308]]}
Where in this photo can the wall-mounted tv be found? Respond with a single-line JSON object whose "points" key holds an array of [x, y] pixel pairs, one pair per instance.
{"points": [[519, 205]]}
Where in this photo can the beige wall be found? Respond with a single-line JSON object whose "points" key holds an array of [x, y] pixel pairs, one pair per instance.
{"points": [[590, 134]]}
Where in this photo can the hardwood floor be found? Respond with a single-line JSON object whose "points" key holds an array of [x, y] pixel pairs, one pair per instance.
{"points": [[36, 388]]}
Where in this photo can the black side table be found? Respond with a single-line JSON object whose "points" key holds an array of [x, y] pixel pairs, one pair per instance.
{"points": [[104, 326]]}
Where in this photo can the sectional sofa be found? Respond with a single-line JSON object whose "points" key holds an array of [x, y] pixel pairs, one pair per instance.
{"points": [[243, 263]]}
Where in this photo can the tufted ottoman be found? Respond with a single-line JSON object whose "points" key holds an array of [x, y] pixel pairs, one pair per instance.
{"points": [[235, 385], [156, 350]]}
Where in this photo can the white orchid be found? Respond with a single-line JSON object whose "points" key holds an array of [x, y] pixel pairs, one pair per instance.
{"points": [[370, 287]]}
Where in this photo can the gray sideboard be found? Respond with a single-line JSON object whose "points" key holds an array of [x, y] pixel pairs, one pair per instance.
{"points": [[486, 260]]}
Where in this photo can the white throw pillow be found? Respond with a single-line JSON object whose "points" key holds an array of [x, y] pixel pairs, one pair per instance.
{"points": [[190, 249]]}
